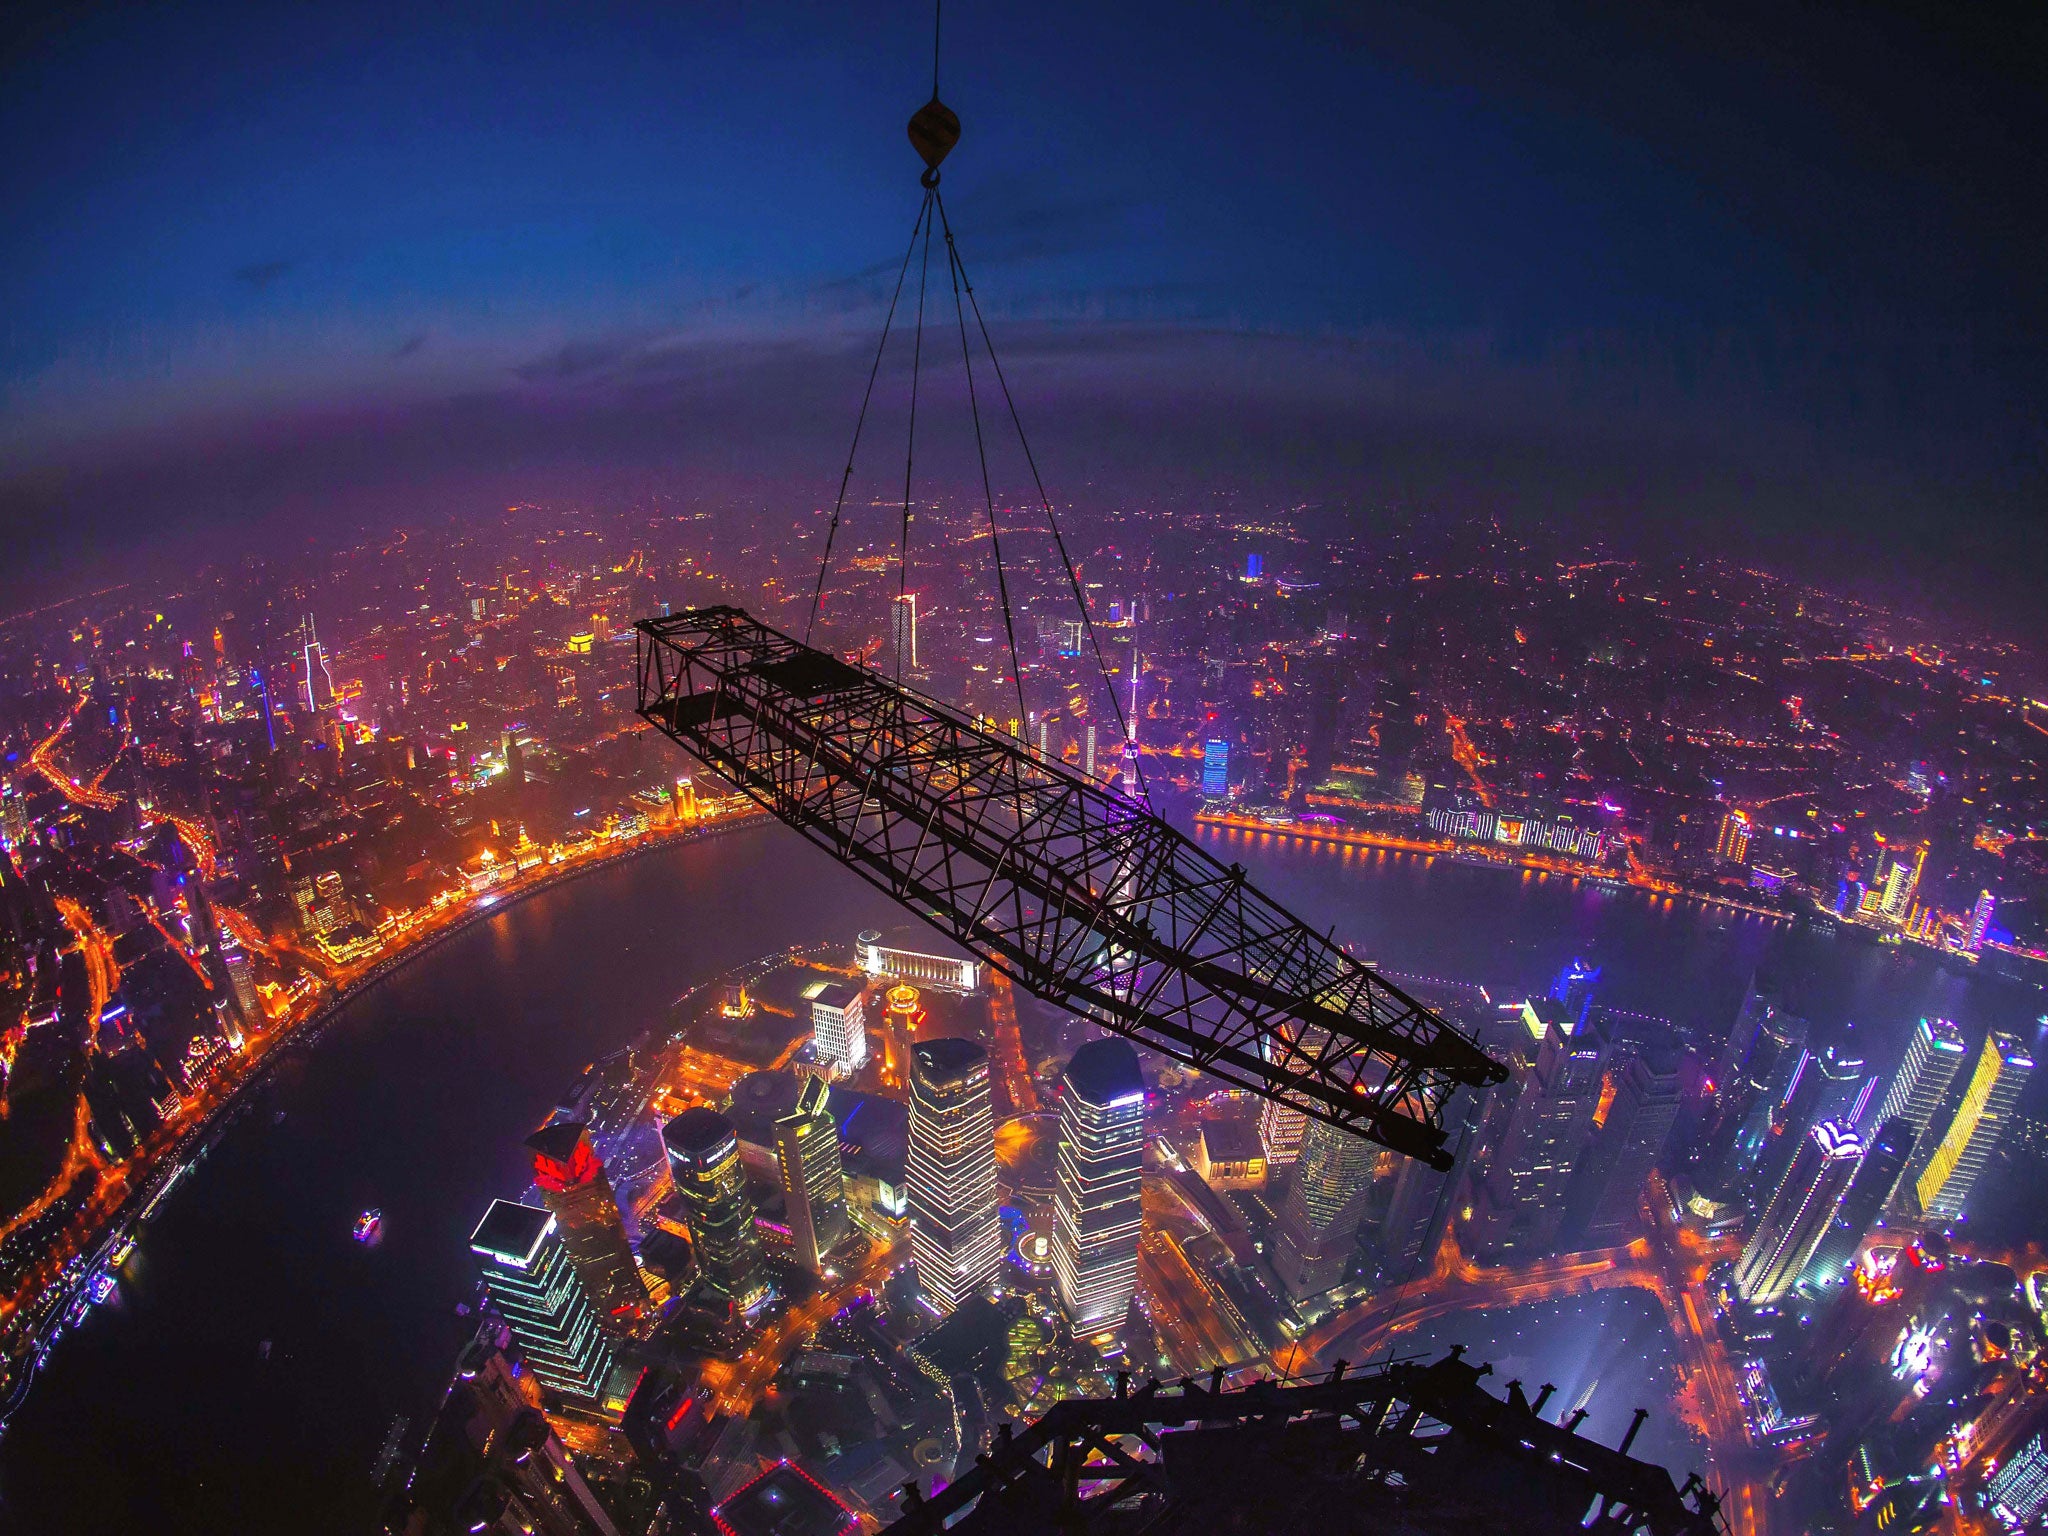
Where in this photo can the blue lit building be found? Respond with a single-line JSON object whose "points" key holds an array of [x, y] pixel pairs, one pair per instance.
{"points": [[1215, 768]]}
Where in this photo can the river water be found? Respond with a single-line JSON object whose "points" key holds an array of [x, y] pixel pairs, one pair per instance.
{"points": [[164, 1413]]}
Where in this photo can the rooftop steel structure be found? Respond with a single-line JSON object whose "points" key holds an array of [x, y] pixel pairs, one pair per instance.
{"points": [[1076, 892], [1412, 1447]]}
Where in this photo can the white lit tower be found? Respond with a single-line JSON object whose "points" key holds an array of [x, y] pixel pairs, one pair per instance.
{"points": [[1801, 1210], [1933, 1057], [535, 1288], [1281, 1125], [1096, 1208], [839, 1031], [1131, 734], [956, 1236]]}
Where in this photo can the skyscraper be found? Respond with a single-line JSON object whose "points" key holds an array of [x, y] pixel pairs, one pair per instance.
{"points": [[950, 1173], [1281, 1125], [2020, 1487], [1559, 1070], [1980, 921], [704, 1161], [573, 1185], [1799, 1213], [1733, 843], [1101, 1164], [1318, 1227], [903, 633], [1648, 1090], [1945, 1181], [533, 1285], [1933, 1056], [1868, 1193], [316, 682], [1215, 768], [813, 1179], [839, 1031]]}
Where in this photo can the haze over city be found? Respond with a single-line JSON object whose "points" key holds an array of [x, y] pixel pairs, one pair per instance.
{"points": [[777, 771]]}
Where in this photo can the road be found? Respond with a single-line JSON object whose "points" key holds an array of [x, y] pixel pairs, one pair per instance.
{"points": [[1013, 1073], [1668, 1261], [740, 1383], [40, 760]]}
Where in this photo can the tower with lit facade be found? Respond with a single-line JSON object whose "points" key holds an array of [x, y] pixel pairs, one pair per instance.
{"points": [[956, 1236], [1945, 1181], [839, 1032], [813, 1178], [1799, 1213], [534, 1287], [1641, 1110], [1281, 1124], [704, 1164], [1884, 1161], [1917, 1092], [1319, 1221], [573, 1185], [1101, 1165], [1560, 1068]]}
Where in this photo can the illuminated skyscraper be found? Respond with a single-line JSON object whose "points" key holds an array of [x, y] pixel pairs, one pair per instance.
{"points": [[2020, 1487], [1559, 1070], [1944, 1184], [1733, 843], [1902, 883], [1318, 1227], [316, 682], [903, 633], [1088, 750], [1933, 1056], [955, 1234], [1799, 1213], [1864, 1200], [1101, 1164], [813, 1179], [573, 1185], [1215, 768], [533, 1286], [1980, 921], [1281, 1125], [241, 981], [839, 1032], [704, 1161]]}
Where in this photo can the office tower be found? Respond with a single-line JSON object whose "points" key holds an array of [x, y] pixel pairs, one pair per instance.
{"points": [[1902, 883], [1559, 1070], [1933, 1056], [574, 1186], [1088, 750], [1215, 768], [1574, 988], [903, 633], [1864, 1200], [1318, 1227], [1733, 843], [1281, 1125], [1101, 1163], [2019, 1489], [704, 1163], [1759, 1004], [1980, 921], [533, 1285], [839, 1034], [241, 980], [492, 1463], [1799, 1213], [1648, 1091], [316, 682], [1945, 1181], [813, 1180], [1836, 1085], [955, 1235]]}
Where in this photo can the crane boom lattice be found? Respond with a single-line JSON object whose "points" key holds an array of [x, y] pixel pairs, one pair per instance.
{"points": [[1076, 892]]}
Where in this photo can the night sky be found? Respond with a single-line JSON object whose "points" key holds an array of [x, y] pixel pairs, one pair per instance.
{"points": [[1768, 283]]}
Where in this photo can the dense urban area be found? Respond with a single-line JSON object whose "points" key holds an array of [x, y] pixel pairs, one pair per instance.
{"points": [[857, 1207]]}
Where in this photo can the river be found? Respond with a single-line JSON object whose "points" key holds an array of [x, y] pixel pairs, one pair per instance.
{"points": [[163, 1412]]}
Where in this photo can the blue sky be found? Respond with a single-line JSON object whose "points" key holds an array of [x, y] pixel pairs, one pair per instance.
{"points": [[1724, 272]]}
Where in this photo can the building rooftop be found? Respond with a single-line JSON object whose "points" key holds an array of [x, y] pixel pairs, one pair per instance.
{"points": [[835, 994], [511, 1232], [698, 1133], [782, 1502], [1231, 1141], [557, 1140], [1106, 1072], [948, 1059]]}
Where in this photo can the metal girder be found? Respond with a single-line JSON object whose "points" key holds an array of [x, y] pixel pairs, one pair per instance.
{"points": [[1403, 1446], [1076, 892]]}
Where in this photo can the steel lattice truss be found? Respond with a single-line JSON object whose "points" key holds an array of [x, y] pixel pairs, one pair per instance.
{"points": [[1405, 1447], [1077, 893]]}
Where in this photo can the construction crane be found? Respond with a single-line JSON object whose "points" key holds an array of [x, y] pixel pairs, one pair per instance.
{"points": [[1077, 892]]}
